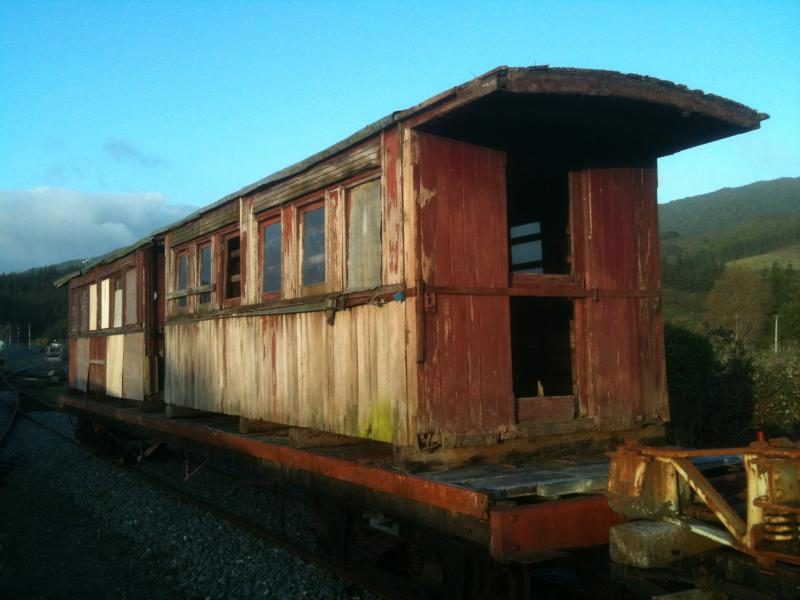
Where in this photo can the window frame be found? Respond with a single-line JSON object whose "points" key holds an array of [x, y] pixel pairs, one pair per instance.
{"points": [[273, 217], [224, 236], [180, 294], [316, 202], [117, 279], [346, 192], [201, 289]]}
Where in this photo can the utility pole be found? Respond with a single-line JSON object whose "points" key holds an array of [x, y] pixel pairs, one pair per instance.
{"points": [[776, 333], [29, 336]]}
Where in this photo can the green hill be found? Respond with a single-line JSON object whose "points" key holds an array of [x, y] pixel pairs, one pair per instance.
{"points": [[756, 226], [782, 256], [701, 234], [729, 209]]}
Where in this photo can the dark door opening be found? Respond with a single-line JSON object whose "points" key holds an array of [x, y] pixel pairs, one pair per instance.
{"points": [[539, 246], [541, 346]]}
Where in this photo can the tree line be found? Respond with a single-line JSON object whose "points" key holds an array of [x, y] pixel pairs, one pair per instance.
{"points": [[29, 298]]}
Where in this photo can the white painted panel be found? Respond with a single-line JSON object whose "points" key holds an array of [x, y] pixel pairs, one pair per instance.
{"points": [[105, 288], [115, 355]]}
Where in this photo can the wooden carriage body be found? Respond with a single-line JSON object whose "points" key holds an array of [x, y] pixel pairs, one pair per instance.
{"points": [[481, 267]]}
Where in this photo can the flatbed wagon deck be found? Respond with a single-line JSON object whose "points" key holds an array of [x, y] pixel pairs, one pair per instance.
{"points": [[516, 510]]}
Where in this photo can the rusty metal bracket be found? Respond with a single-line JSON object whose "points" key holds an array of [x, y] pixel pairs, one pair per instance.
{"points": [[665, 483], [429, 298]]}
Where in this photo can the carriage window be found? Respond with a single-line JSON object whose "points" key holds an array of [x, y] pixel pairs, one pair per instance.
{"points": [[271, 242], [117, 319], [314, 246], [364, 236], [182, 278], [233, 267], [130, 297], [204, 271]]}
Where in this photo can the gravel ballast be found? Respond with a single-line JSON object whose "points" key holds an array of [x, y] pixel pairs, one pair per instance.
{"points": [[72, 525]]}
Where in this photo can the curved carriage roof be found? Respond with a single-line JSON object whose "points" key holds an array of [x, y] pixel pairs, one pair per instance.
{"points": [[584, 113]]}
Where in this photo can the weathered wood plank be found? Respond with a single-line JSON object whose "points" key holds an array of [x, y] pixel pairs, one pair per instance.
{"points": [[81, 381], [335, 233], [546, 409], [345, 378], [621, 374], [391, 182], [115, 356], [97, 366], [466, 374], [217, 219], [133, 366], [338, 168]]}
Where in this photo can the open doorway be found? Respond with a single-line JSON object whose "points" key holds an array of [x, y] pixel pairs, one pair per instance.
{"points": [[539, 245]]}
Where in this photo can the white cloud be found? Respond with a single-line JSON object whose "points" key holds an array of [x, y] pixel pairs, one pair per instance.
{"points": [[44, 225]]}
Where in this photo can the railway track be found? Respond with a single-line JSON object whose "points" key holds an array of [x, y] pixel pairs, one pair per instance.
{"points": [[372, 580], [10, 401]]}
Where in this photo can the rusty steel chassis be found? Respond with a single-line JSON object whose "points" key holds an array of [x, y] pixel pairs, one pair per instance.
{"points": [[510, 533], [646, 482]]}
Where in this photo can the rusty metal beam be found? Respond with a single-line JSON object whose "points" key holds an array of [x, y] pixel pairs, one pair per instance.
{"points": [[519, 533], [452, 498], [709, 495]]}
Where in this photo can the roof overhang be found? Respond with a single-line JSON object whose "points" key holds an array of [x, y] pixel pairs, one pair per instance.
{"points": [[582, 115], [574, 115]]}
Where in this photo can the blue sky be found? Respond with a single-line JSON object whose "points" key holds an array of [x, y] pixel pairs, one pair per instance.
{"points": [[161, 106]]}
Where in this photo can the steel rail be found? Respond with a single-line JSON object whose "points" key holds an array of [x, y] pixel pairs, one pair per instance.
{"points": [[354, 576], [14, 410]]}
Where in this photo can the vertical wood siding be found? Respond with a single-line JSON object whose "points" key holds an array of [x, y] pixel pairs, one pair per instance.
{"points": [[465, 382], [621, 361], [81, 381], [114, 361], [347, 378], [97, 364], [393, 255], [133, 366], [334, 239]]}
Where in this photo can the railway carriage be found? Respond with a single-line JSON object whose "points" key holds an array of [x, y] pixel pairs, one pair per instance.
{"points": [[479, 268], [474, 280]]}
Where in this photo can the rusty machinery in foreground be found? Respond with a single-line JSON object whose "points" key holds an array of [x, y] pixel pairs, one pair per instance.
{"points": [[755, 510]]}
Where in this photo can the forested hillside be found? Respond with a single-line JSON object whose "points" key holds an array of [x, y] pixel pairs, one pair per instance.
{"points": [[731, 208], [30, 298], [699, 235], [732, 306]]}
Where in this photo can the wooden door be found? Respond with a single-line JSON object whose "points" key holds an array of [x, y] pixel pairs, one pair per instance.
{"points": [[465, 377]]}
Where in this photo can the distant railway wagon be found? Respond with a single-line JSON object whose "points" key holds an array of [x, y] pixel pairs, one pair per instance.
{"points": [[473, 276]]}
